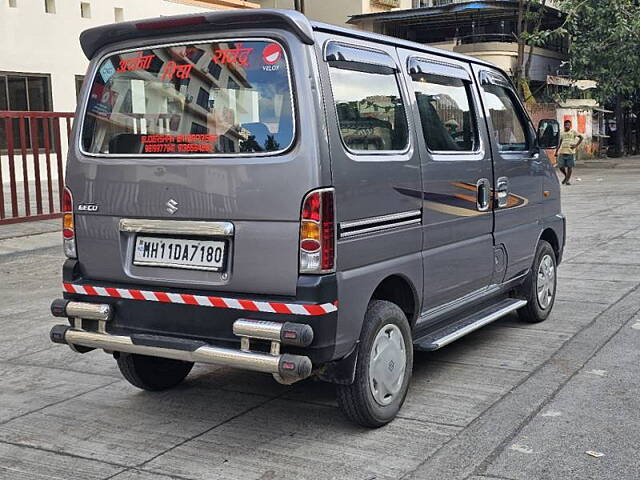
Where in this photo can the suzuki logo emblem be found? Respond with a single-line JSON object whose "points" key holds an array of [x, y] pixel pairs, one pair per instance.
{"points": [[172, 206]]}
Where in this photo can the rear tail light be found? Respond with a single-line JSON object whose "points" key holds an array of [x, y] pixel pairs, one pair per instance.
{"points": [[68, 227], [318, 232]]}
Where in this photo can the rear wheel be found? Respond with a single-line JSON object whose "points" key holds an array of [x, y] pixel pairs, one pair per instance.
{"points": [[152, 373], [383, 368], [540, 287]]}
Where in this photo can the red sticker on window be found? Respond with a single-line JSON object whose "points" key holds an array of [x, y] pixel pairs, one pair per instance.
{"points": [[139, 62], [233, 56], [272, 54], [172, 69], [183, 143]]}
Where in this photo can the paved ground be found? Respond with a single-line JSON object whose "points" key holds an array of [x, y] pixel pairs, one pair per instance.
{"points": [[632, 161], [511, 401]]}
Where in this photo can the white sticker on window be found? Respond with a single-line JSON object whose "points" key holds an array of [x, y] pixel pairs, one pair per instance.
{"points": [[107, 70]]}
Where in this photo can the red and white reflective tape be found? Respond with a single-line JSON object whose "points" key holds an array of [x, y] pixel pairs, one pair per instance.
{"points": [[203, 301]]}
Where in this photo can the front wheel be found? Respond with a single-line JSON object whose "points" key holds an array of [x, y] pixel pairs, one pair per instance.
{"points": [[540, 287], [383, 368], [152, 373]]}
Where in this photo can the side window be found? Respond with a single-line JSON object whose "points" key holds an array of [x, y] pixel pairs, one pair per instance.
{"points": [[371, 114], [509, 128], [446, 112]]}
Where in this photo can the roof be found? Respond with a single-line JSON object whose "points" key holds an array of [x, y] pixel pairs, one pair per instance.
{"points": [[423, 13], [95, 39]]}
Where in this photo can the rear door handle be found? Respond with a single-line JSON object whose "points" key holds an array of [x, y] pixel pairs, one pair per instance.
{"points": [[502, 192], [483, 191]]}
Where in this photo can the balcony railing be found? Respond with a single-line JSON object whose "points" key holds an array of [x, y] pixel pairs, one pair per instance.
{"points": [[485, 38], [436, 3], [442, 3]]}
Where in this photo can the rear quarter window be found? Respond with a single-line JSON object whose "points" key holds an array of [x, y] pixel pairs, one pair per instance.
{"points": [[369, 106], [223, 97]]}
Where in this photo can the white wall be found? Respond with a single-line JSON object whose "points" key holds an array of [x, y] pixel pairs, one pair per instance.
{"points": [[505, 55], [33, 41]]}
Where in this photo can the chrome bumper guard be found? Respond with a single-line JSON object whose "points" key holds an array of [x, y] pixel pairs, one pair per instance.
{"points": [[284, 367]]}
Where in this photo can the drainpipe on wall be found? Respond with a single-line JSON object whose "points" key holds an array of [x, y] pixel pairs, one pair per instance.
{"points": [[299, 5]]}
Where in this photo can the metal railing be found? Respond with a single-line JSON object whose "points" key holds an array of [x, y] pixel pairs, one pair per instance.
{"points": [[32, 148], [487, 37], [436, 3]]}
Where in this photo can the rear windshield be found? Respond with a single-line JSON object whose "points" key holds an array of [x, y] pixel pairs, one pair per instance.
{"points": [[209, 98]]}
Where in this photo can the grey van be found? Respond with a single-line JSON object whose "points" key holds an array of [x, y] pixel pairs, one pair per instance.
{"points": [[255, 190]]}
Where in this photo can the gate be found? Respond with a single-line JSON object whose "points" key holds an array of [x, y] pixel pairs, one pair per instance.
{"points": [[32, 148]]}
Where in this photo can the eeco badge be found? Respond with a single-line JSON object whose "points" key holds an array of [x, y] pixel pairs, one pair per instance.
{"points": [[272, 53]]}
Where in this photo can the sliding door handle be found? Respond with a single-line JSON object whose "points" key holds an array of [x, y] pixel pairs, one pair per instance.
{"points": [[502, 192], [483, 189]]}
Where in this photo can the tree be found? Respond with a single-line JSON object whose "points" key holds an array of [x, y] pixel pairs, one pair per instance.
{"points": [[529, 34], [605, 47], [270, 144], [250, 144]]}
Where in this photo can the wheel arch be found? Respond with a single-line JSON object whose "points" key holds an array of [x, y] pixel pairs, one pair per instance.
{"points": [[550, 236], [400, 290]]}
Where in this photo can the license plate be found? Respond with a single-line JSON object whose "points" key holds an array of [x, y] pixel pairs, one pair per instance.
{"points": [[180, 253]]}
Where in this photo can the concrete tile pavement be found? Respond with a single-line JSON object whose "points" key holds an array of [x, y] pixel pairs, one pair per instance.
{"points": [[596, 411], [475, 448], [64, 415], [121, 425], [19, 462], [45, 388], [290, 440], [132, 474]]}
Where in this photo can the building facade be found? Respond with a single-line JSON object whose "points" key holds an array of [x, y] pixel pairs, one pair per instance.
{"points": [[484, 29]]}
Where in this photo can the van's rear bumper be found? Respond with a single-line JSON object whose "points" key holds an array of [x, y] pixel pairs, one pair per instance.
{"points": [[286, 368], [207, 316]]}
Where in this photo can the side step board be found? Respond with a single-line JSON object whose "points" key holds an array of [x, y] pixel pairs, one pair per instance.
{"points": [[452, 332]]}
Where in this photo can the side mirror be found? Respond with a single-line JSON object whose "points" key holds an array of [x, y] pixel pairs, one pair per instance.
{"points": [[548, 134]]}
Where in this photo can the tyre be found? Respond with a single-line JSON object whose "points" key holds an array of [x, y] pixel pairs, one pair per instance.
{"points": [[383, 368], [540, 287], [152, 373]]}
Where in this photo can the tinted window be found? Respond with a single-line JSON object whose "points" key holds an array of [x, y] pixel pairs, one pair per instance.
{"points": [[509, 129], [371, 114], [446, 113], [218, 97]]}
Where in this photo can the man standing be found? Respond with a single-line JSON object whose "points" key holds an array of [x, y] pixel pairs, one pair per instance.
{"points": [[570, 140]]}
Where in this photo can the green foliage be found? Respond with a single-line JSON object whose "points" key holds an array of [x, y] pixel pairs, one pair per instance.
{"points": [[605, 44], [530, 34], [540, 38]]}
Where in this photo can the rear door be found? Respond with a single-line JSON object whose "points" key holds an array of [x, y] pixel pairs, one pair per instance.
{"points": [[194, 160], [457, 172], [518, 171]]}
